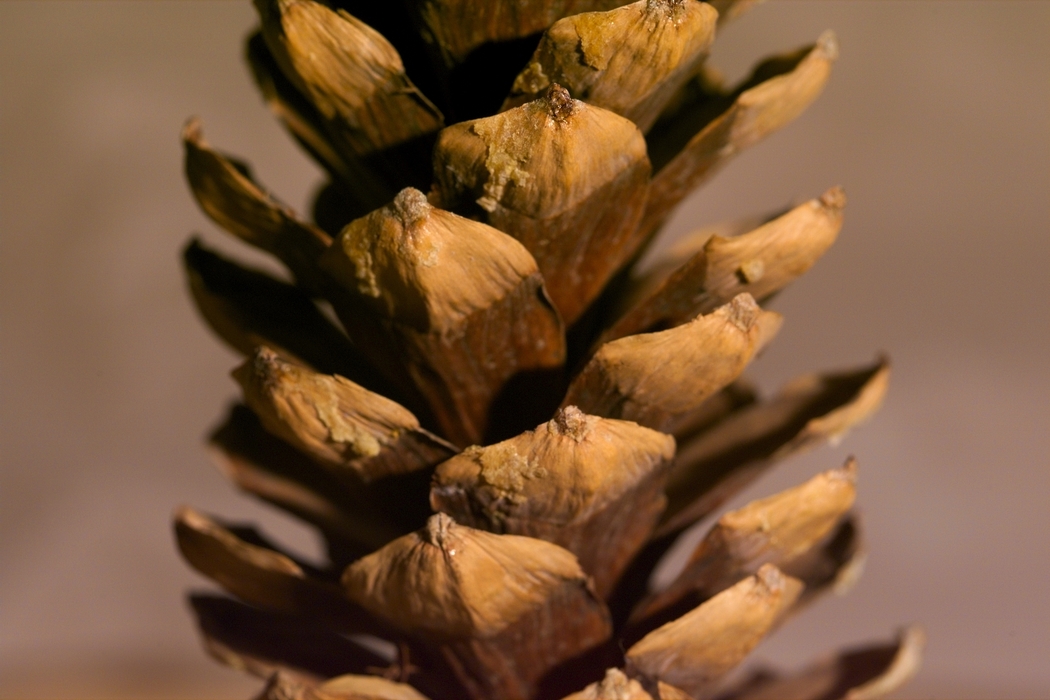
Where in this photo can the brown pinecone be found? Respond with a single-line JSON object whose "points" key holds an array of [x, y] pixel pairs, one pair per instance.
{"points": [[518, 411]]}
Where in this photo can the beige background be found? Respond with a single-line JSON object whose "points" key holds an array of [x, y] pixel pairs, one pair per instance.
{"points": [[937, 122]]}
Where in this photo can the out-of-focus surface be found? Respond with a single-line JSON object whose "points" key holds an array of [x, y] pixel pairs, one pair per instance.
{"points": [[936, 122]]}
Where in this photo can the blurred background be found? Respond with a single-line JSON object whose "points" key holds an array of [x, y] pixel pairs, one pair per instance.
{"points": [[937, 123]]}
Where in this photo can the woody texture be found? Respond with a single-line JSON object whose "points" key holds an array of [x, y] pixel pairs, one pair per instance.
{"points": [[499, 406]]}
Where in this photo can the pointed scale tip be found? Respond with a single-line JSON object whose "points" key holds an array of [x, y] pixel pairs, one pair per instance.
{"points": [[572, 422], [439, 527], [828, 43], [192, 130], [771, 579], [614, 686], [411, 207], [666, 5], [742, 311], [834, 199], [847, 472], [560, 104]]}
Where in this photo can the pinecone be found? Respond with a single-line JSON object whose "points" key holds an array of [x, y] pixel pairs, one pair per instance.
{"points": [[508, 358]]}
